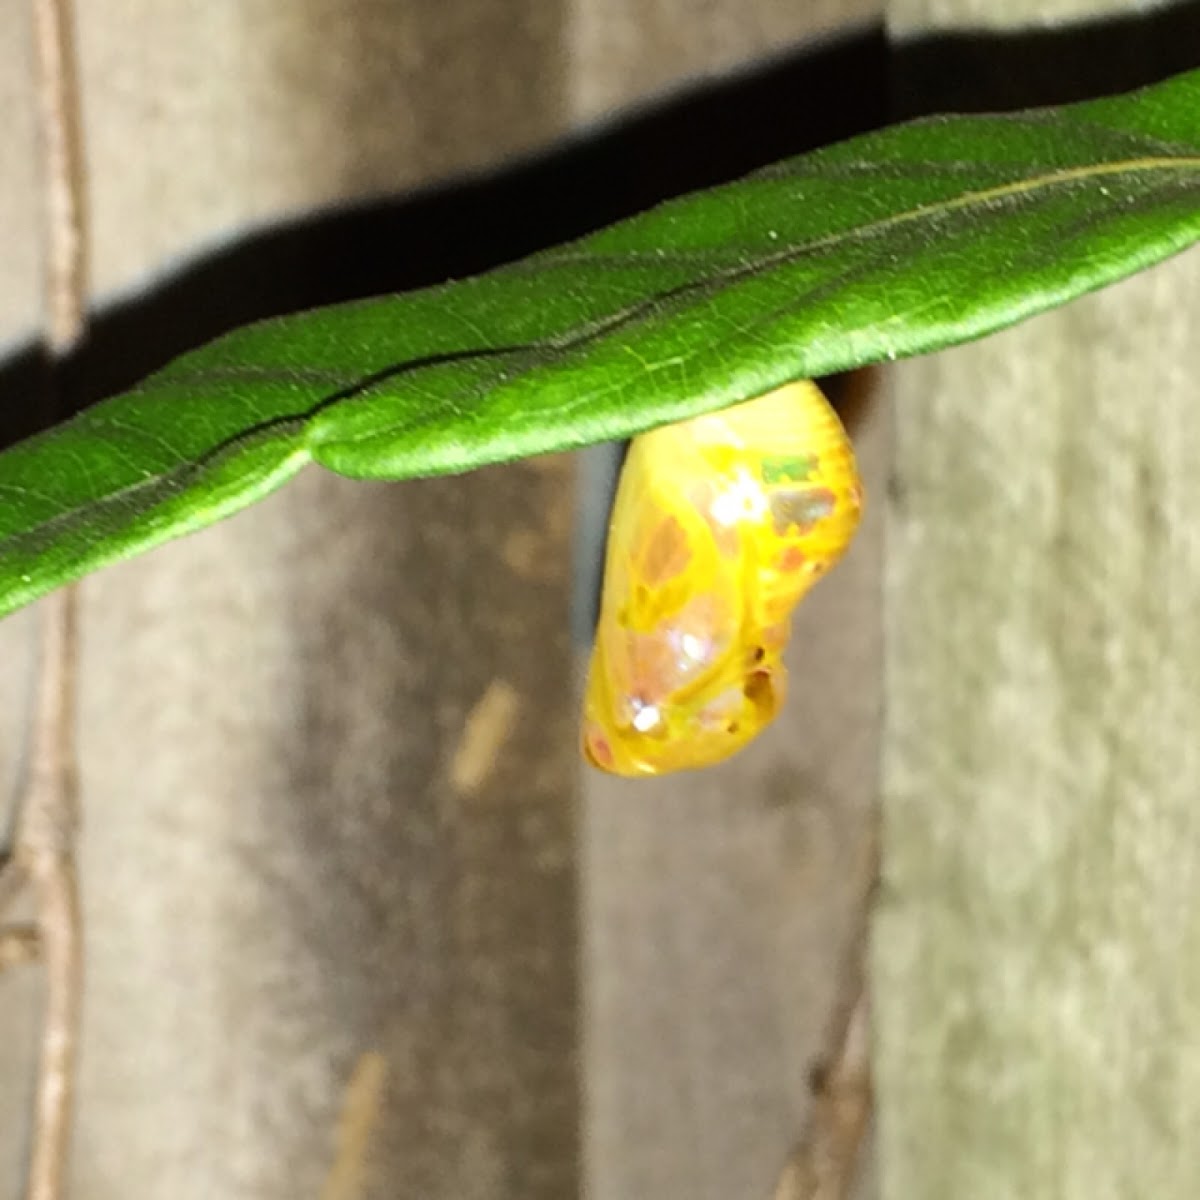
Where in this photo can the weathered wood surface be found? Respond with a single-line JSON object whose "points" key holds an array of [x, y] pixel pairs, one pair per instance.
{"points": [[722, 906], [1037, 946], [1038, 941], [328, 747], [719, 907], [293, 857]]}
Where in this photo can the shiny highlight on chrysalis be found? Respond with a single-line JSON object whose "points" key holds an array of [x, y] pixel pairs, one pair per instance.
{"points": [[720, 526]]}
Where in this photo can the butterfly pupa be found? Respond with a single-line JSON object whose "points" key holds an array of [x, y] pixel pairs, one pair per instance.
{"points": [[720, 526]]}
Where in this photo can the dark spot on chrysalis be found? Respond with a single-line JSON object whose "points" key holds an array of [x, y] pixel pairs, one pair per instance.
{"points": [[801, 508], [757, 689]]}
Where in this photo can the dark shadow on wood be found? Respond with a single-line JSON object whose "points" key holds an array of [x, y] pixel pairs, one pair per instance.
{"points": [[988, 71]]}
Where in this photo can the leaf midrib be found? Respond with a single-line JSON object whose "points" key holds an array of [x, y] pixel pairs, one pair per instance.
{"points": [[556, 344]]}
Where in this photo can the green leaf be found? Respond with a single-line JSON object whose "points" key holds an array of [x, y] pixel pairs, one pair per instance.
{"points": [[901, 242]]}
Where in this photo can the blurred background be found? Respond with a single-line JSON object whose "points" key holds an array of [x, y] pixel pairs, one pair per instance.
{"points": [[340, 854]]}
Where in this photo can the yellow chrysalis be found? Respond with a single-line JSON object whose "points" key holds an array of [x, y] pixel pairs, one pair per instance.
{"points": [[721, 524]]}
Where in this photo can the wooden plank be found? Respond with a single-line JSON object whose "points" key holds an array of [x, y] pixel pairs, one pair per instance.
{"points": [[1036, 980], [345, 829], [721, 907], [718, 907], [327, 766]]}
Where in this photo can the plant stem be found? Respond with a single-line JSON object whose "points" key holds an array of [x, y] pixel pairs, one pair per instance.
{"points": [[45, 847], [824, 1164], [825, 1161], [59, 112], [47, 821]]}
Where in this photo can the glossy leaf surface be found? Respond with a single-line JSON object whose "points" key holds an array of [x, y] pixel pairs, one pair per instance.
{"points": [[905, 241]]}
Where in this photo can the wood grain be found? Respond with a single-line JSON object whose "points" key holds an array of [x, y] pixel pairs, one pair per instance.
{"points": [[1037, 949]]}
